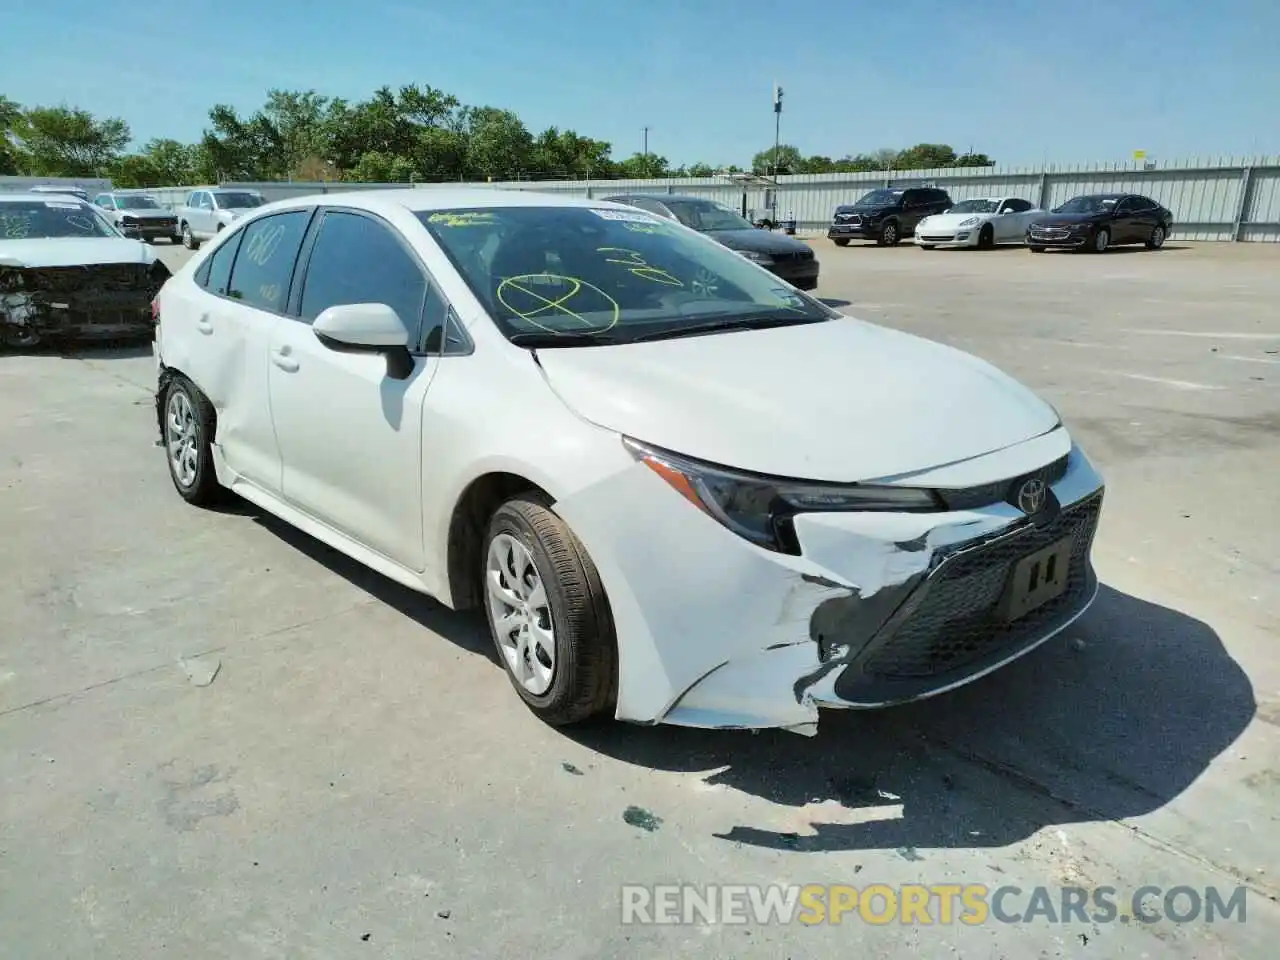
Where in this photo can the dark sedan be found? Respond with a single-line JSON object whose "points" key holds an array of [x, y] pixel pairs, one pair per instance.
{"points": [[785, 256], [1098, 221]]}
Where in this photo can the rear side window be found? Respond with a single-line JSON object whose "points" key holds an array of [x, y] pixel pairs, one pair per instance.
{"points": [[215, 275], [357, 259], [264, 264]]}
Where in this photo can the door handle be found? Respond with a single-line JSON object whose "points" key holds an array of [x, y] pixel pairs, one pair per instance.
{"points": [[282, 360], [204, 326]]}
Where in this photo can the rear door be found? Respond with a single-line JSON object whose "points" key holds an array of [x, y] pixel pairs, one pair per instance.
{"points": [[351, 436]]}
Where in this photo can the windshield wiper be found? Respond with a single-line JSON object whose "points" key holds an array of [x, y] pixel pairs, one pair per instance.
{"points": [[548, 340], [725, 325]]}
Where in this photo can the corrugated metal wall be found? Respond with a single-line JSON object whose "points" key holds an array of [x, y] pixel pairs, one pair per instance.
{"points": [[1222, 199], [90, 185]]}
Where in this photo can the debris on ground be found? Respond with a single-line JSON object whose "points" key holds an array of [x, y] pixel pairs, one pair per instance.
{"points": [[200, 670], [642, 818]]}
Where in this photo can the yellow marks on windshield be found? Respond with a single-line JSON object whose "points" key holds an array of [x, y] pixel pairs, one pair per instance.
{"points": [[571, 302], [464, 218], [638, 266], [15, 227]]}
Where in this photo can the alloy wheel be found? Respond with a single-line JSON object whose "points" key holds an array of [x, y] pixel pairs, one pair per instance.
{"points": [[520, 613], [182, 438]]}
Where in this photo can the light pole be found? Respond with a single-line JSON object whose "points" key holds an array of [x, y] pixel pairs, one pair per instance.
{"points": [[646, 150], [777, 145]]}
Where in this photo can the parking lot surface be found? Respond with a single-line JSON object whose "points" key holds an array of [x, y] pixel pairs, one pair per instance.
{"points": [[221, 739]]}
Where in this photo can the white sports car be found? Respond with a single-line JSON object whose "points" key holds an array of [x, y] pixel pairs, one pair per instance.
{"points": [[680, 489], [980, 222]]}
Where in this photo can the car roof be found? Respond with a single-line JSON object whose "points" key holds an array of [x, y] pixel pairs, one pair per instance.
{"points": [[432, 198], [664, 197], [30, 196]]}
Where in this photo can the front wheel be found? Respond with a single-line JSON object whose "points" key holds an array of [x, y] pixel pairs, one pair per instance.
{"points": [[1036, 249], [188, 238], [1101, 240], [1156, 240], [548, 613], [986, 237], [841, 241], [925, 246], [889, 236]]}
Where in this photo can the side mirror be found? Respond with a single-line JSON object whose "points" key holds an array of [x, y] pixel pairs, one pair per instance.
{"points": [[367, 328]]}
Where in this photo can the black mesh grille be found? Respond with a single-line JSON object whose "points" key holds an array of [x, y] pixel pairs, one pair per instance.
{"points": [[105, 276], [969, 498], [956, 619]]}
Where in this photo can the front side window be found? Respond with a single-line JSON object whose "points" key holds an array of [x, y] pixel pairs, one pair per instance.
{"points": [[880, 198], [56, 218], [974, 206], [1089, 205], [237, 200], [264, 264], [357, 259], [580, 276]]}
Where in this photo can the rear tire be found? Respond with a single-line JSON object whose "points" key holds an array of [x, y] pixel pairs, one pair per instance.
{"points": [[841, 241], [1156, 240], [188, 431], [557, 601]]}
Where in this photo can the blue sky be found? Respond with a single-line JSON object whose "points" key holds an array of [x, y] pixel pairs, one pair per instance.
{"points": [[1022, 80]]}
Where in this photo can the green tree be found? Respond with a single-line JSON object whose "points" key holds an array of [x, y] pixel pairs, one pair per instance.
{"points": [[644, 166], [13, 159], [66, 141], [974, 160], [788, 159], [499, 147], [925, 156]]}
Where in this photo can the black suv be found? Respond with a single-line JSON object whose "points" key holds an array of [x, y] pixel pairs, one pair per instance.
{"points": [[886, 216]]}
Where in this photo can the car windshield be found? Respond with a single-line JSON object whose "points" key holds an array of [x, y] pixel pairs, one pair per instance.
{"points": [[706, 216], [49, 219], [584, 276], [880, 198], [136, 203], [1088, 205], [238, 200], [975, 206]]}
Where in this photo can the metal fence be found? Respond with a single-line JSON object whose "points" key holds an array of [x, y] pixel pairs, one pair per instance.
{"points": [[90, 185], [1220, 199]]}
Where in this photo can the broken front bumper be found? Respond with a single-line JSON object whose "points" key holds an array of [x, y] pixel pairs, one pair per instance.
{"points": [[79, 302], [879, 608]]}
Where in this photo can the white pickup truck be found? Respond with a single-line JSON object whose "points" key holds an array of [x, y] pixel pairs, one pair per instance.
{"points": [[208, 210]]}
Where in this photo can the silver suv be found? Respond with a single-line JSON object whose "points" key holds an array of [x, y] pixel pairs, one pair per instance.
{"points": [[209, 210], [139, 216]]}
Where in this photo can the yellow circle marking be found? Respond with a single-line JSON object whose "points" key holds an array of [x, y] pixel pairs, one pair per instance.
{"points": [[558, 303]]}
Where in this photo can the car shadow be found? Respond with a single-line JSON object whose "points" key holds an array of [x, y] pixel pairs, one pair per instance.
{"points": [[1110, 724], [467, 630], [1127, 248], [108, 350]]}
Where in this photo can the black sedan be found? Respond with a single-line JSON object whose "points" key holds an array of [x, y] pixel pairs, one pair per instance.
{"points": [[784, 256], [1098, 221]]}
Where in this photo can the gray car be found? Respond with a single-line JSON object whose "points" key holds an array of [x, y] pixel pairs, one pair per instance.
{"points": [[139, 216], [210, 209]]}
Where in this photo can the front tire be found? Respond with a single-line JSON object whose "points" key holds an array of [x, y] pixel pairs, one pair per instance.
{"points": [[1101, 240], [889, 235], [841, 241], [925, 246], [1036, 249], [986, 237], [1156, 240], [188, 430], [188, 238], [548, 613]]}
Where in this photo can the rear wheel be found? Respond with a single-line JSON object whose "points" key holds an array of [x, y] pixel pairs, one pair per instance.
{"points": [[24, 337], [1156, 240], [841, 241], [188, 430], [548, 613]]}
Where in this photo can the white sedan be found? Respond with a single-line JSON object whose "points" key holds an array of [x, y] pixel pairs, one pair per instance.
{"points": [[681, 490], [981, 222]]}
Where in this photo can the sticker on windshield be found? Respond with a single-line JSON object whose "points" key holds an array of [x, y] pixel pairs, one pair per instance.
{"points": [[788, 298], [626, 216], [61, 205], [465, 218]]}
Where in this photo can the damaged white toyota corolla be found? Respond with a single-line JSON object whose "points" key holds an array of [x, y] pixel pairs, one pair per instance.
{"points": [[682, 491]]}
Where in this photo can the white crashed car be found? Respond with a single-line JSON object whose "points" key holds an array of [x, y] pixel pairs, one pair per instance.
{"points": [[681, 490], [68, 274], [980, 222]]}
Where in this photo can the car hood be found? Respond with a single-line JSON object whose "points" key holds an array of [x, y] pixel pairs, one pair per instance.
{"points": [[840, 401], [759, 241], [73, 252], [1067, 219], [949, 221]]}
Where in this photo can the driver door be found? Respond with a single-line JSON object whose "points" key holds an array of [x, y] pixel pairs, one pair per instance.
{"points": [[351, 436]]}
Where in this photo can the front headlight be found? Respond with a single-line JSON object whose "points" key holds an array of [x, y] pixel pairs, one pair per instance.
{"points": [[971, 221], [759, 508], [756, 256]]}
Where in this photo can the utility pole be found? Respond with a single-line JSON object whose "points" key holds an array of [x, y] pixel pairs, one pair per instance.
{"points": [[646, 146], [777, 144]]}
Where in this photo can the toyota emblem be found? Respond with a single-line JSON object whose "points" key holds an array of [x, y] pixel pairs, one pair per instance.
{"points": [[1031, 496]]}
